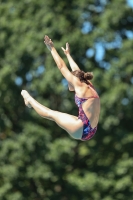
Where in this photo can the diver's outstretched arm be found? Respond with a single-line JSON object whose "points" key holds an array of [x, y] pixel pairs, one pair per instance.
{"points": [[50, 45], [72, 63], [59, 61]]}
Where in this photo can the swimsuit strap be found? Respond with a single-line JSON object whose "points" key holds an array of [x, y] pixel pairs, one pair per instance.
{"points": [[95, 96], [80, 100], [84, 99]]}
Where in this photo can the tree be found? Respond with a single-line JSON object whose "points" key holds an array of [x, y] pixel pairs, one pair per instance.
{"points": [[39, 160]]}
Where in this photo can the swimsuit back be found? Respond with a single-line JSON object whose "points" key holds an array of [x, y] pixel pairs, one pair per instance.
{"points": [[79, 100], [88, 131]]}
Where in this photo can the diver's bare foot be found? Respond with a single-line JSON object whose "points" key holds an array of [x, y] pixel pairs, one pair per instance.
{"points": [[26, 97]]}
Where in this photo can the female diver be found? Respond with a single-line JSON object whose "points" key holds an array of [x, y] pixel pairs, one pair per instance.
{"points": [[84, 126]]}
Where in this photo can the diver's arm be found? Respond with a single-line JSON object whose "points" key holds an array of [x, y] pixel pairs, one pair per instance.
{"points": [[72, 63], [60, 62]]}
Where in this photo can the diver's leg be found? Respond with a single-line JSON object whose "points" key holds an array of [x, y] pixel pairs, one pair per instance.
{"points": [[70, 123], [39, 108]]}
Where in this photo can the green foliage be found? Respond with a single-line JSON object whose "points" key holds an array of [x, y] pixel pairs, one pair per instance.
{"points": [[38, 160]]}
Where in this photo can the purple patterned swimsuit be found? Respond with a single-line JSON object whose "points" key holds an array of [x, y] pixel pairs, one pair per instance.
{"points": [[88, 131]]}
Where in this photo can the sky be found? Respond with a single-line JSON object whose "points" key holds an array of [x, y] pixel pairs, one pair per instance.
{"points": [[130, 3]]}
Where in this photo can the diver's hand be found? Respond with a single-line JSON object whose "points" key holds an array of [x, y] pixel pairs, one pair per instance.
{"points": [[48, 43], [67, 50]]}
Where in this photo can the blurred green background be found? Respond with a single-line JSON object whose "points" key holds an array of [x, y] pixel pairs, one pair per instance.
{"points": [[38, 160]]}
